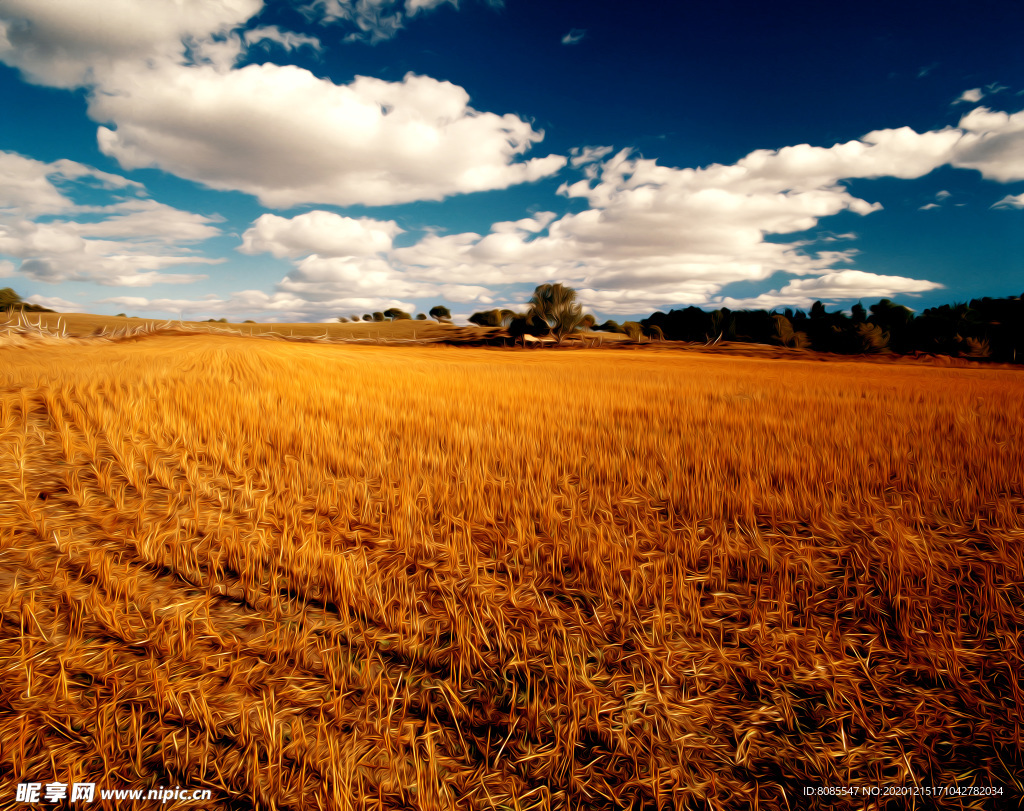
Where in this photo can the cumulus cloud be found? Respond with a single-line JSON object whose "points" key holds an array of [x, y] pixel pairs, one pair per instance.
{"points": [[369, 142], [130, 241], [972, 96], [341, 263], [318, 232], [164, 84], [67, 43], [654, 236], [992, 143], [329, 281]]}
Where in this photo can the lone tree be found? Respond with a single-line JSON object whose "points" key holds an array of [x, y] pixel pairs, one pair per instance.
{"points": [[10, 301], [440, 313], [556, 305], [396, 314]]}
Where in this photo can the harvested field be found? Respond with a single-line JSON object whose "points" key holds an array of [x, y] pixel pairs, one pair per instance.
{"points": [[339, 576]]}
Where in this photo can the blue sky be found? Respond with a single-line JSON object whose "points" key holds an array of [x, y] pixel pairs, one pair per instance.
{"points": [[297, 161]]}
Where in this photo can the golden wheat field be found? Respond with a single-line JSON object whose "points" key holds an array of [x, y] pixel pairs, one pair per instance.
{"points": [[359, 577]]}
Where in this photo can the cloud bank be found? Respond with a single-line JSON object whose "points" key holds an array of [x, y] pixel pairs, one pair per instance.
{"points": [[129, 242], [653, 236], [164, 79], [165, 85]]}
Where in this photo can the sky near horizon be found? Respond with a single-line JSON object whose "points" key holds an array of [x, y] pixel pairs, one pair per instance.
{"points": [[309, 159]]}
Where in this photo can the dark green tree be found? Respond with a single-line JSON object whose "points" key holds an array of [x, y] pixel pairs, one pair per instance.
{"points": [[523, 324], [634, 329], [493, 318], [611, 326], [440, 313]]}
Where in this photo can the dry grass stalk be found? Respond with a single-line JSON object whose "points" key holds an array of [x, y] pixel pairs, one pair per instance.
{"points": [[348, 577]]}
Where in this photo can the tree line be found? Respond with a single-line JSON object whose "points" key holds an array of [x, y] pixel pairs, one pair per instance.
{"points": [[988, 327], [438, 313], [985, 328]]}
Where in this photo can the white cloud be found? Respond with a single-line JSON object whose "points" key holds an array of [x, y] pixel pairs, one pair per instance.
{"points": [[330, 279], [370, 142], [589, 154], [972, 96], [374, 20], [413, 7], [840, 285], [340, 262], [654, 236], [68, 43], [575, 36], [940, 198], [163, 83], [318, 232], [992, 143], [288, 40], [130, 241], [31, 188], [61, 305], [149, 222], [120, 271], [1010, 201], [273, 307], [6, 268]]}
